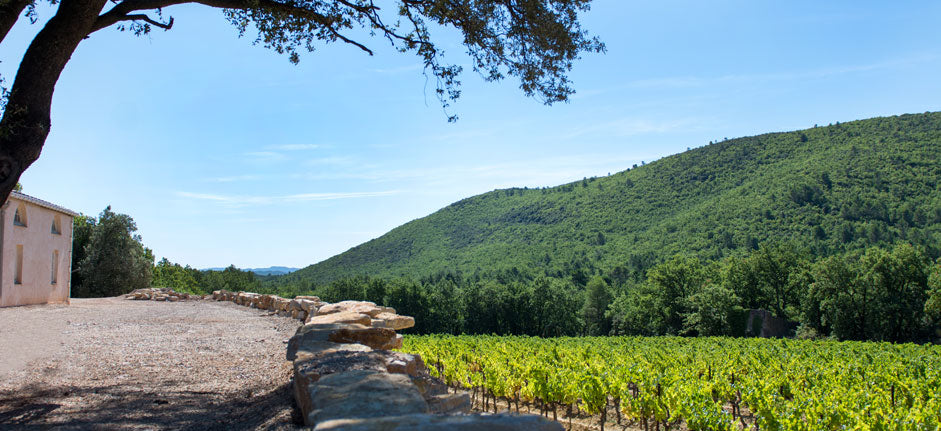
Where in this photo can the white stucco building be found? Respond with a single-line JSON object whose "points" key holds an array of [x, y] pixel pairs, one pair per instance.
{"points": [[35, 251]]}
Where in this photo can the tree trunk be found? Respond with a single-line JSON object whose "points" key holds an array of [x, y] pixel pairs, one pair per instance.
{"points": [[26, 120], [10, 11]]}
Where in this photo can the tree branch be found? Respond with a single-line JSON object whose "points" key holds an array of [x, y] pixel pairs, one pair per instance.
{"points": [[122, 11], [149, 20], [10, 11]]}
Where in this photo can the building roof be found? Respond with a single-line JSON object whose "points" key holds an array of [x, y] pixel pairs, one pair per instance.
{"points": [[24, 197]]}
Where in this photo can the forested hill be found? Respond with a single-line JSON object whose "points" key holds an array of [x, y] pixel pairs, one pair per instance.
{"points": [[836, 188]]}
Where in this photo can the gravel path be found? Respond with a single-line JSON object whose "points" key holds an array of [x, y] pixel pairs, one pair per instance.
{"points": [[118, 364]]}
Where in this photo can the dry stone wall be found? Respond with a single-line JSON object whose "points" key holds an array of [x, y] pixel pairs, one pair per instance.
{"points": [[160, 294], [346, 376]]}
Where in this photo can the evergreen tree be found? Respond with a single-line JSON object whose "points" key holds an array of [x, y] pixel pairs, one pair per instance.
{"points": [[597, 299], [115, 261]]}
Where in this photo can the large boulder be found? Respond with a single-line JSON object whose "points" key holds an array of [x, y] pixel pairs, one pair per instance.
{"points": [[392, 321], [450, 404], [246, 298], [309, 369], [363, 307], [341, 317], [315, 339], [265, 302], [428, 386], [404, 363], [430, 422], [279, 304], [308, 306], [377, 338], [362, 394]]}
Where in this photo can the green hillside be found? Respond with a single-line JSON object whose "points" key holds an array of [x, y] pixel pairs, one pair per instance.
{"points": [[837, 188]]}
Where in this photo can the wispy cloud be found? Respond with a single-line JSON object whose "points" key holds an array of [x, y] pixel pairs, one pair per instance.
{"points": [[549, 171], [630, 126], [293, 147], [247, 200], [264, 156], [333, 161]]}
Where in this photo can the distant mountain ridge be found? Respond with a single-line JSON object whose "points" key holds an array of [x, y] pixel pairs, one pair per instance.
{"points": [[832, 189], [271, 270]]}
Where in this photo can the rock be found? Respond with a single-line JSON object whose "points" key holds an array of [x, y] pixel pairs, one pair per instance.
{"points": [[308, 369], [246, 298], [264, 302], [362, 394], [281, 304], [429, 386], [363, 307], [309, 298], [427, 422], [404, 363], [314, 339], [449, 404], [377, 338], [341, 317], [307, 306], [392, 321]]}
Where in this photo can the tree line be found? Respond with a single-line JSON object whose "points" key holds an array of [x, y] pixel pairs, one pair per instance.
{"points": [[110, 259], [879, 293]]}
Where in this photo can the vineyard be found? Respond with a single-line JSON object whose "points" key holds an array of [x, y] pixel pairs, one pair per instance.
{"points": [[665, 383]]}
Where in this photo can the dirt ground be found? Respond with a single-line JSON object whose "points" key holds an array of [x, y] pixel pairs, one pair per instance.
{"points": [[135, 365]]}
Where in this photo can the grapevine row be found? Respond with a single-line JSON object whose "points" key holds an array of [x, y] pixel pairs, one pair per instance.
{"points": [[702, 383]]}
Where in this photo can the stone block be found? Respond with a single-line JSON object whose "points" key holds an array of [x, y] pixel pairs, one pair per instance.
{"points": [[404, 363], [429, 386], [428, 422], [450, 404], [392, 321], [377, 338], [363, 307], [362, 394], [316, 339], [309, 369], [341, 317]]}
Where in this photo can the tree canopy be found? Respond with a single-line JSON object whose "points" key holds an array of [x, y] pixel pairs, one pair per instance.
{"points": [[534, 41], [877, 182], [113, 261]]}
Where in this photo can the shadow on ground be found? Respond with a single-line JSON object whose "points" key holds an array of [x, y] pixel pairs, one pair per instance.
{"points": [[127, 407]]}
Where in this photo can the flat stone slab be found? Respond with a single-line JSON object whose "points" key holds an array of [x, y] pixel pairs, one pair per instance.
{"points": [[362, 394], [314, 339], [404, 363], [377, 338], [341, 317], [309, 369], [363, 307], [392, 321], [450, 404], [425, 422]]}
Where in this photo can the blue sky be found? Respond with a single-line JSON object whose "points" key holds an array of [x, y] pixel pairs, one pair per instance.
{"points": [[225, 153]]}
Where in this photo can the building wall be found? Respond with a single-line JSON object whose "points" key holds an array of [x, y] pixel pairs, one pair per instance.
{"points": [[38, 243]]}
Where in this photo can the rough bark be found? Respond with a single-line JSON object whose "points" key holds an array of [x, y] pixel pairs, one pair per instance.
{"points": [[26, 120], [10, 11]]}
